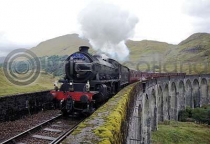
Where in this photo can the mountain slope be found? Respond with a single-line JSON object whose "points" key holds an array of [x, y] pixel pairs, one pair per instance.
{"points": [[195, 48], [43, 82], [193, 52], [147, 49]]}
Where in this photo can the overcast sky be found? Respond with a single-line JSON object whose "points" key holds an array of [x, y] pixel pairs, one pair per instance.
{"points": [[25, 23]]}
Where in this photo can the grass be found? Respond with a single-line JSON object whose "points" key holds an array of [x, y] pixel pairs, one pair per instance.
{"points": [[44, 82], [181, 133]]}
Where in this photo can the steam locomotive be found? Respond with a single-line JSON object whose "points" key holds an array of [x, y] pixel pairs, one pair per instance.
{"points": [[91, 80]]}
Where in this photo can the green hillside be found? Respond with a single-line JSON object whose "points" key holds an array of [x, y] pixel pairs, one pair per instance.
{"points": [[197, 47], [44, 82], [194, 48], [193, 53], [146, 49]]}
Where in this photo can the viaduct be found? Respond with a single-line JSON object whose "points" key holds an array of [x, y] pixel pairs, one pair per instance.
{"points": [[161, 99], [134, 112]]}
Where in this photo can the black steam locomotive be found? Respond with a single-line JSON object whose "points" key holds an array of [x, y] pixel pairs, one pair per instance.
{"points": [[91, 80]]}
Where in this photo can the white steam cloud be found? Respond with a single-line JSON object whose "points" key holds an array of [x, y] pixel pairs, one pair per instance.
{"points": [[107, 27]]}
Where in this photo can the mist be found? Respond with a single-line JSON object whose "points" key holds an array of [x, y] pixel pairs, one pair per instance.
{"points": [[6, 45], [107, 27]]}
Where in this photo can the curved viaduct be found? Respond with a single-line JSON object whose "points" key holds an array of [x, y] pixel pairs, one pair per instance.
{"points": [[161, 99]]}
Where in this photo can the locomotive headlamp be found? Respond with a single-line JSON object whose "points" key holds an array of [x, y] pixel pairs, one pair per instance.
{"points": [[71, 88]]}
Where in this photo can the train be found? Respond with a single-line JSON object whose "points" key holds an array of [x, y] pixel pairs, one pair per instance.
{"points": [[90, 80]]}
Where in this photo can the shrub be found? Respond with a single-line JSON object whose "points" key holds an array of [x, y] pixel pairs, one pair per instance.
{"points": [[200, 115], [205, 106], [189, 111], [183, 115]]}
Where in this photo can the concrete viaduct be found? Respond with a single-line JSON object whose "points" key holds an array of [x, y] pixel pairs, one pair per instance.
{"points": [[161, 99]]}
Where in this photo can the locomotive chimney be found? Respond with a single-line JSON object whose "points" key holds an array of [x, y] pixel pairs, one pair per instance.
{"points": [[83, 49]]}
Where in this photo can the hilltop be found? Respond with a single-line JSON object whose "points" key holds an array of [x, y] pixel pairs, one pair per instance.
{"points": [[194, 48], [63, 45], [197, 46], [193, 53]]}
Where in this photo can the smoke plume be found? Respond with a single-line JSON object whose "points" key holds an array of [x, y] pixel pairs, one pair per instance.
{"points": [[107, 27]]}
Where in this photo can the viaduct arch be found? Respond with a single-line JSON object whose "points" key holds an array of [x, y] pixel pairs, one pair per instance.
{"points": [[164, 97]]}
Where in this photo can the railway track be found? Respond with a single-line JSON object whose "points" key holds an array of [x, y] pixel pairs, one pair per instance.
{"points": [[51, 131]]}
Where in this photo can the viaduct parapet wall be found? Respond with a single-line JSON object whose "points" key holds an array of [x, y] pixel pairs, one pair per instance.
{"points": [[16, 106]]}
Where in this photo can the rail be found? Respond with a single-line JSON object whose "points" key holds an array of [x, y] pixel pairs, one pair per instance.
{"points": [[12, 139], [65, 134]]}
